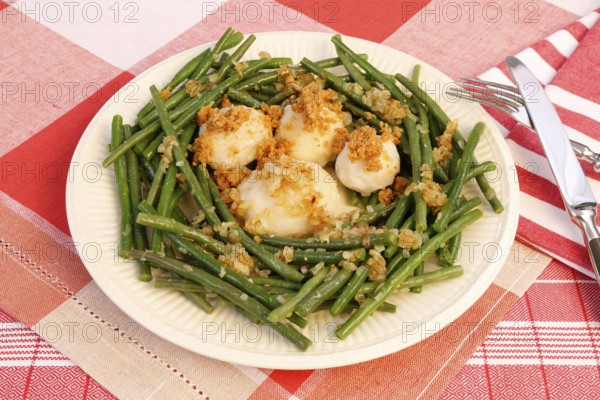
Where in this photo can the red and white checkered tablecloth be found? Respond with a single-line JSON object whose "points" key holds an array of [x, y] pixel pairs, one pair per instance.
{"points": [[534, 334]]}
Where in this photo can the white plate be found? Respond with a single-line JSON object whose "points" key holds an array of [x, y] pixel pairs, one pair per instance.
{"points": [[93, 214]]}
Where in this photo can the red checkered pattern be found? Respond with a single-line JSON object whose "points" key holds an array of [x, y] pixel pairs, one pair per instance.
{"points": [[543, 344]]}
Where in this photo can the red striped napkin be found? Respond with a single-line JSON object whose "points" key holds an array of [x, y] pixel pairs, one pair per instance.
{"points": [[568, 63]]}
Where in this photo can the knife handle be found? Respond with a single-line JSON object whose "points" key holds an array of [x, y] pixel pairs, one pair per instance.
{"points": [[586, 219]]}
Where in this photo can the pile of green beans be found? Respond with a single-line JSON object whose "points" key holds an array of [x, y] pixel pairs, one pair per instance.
{"points": [[291, 277]]}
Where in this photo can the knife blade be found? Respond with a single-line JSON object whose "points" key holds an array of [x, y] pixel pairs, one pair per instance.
{"points": [[572, 183]]}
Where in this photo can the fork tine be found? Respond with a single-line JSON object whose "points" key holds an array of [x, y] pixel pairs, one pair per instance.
{"points": [[492, 84], [508, 91], [511, 99], [470, 96]]}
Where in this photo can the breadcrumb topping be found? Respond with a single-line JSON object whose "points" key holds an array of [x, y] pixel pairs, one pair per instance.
{"points": [[380, 101], [237, 258], [400, 184], [395, 133], [366, 145], [443, 152], [432, 192], [193, 88], [165, 94], [385, 196], [311, 101], [409, 240], [376, 264], [273, 112], [227, 178], [272, 150]]}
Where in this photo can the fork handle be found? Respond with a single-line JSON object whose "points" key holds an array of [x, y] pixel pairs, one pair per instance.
{"points": [[586, 219], [585, 153]]}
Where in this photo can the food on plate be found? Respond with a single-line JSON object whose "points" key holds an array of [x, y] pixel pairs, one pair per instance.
{"points": [[310, 190]]}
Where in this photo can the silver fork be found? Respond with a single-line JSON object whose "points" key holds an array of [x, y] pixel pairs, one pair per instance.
{"points": [[506, 98]]}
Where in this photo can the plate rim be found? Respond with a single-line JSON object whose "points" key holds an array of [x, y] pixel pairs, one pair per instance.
{"points": [[241, 357]]}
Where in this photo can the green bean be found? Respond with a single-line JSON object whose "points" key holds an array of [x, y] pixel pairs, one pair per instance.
{"points": [[140, 240], [395, 280], [420, 212], [371, 70], [269, 90], [288, 307], [438, 173], [152, 149], [328, 257], [324, 291], [421, 280], [454, 162], [220, 45], [228, 291], [351, 289], [409, 223], [355, 74], [182, 285], [335, 81], [466, 161], [281, 96], [447, 254], [379, 211], [199, 300], [193, 70], [166, 224], [197, 193], [390, 251], [154, 190], [434, 108], [258, 80], [274, 282], [163, 115], [243, 97], [385, 239], [402, 206], [176, 104], [418, 272], [126, 233]]}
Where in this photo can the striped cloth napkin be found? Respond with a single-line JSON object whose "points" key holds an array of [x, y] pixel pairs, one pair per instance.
{"points": [[568, 64]]}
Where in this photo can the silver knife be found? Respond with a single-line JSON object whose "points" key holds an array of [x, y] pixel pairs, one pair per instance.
{"points": [[572, 183]]}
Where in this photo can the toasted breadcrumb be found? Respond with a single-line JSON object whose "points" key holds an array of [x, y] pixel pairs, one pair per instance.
{"points": [[202, 150], [225, 101], [311, 101], [366, 145], [385, 196], [394, 132], [180, 178], [237, 258], [376, 264], [193, 88], [165, 94], [380, 101], [204, 114], [227, 178], [272, 150], [339, 141], [409, 240], [273, 112], [443, 152], [400, 184], [241, 66], [433, 194]]}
